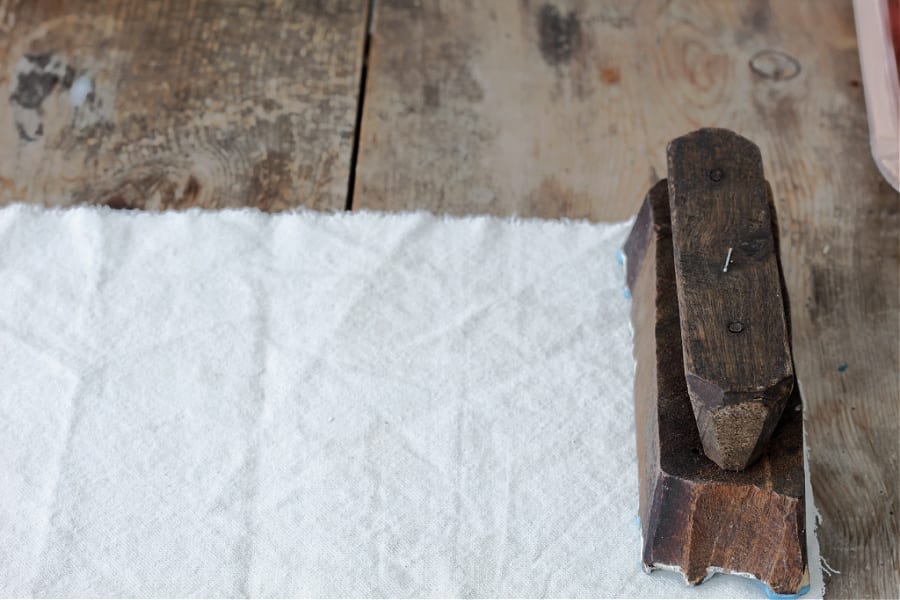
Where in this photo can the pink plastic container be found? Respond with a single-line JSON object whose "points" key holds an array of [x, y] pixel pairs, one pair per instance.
{"points": [[877, 31]]}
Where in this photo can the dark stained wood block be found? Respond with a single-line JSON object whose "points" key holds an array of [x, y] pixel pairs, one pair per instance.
{"points": [[696, 517], [737, 358]]}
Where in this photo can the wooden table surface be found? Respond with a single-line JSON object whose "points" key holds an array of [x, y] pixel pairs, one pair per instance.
{"points": [[557, 109]]}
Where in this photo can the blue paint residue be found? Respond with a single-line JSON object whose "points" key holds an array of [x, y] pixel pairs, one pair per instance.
{"points": [[775, 596], [620, 257], [627, 293], [842, 367]]}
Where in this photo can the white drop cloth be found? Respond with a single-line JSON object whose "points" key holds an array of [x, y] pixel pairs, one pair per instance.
{"points": [[348, 405]]}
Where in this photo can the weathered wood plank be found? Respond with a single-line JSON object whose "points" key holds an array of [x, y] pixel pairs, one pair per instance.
{"points": [[172, 104], [564, 108], [737, 355], [694, 515]]}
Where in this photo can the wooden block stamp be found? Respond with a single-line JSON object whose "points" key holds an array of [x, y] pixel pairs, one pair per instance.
{"points": [[697, 518]]}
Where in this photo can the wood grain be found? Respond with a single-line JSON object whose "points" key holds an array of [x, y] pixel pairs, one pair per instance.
{"points": [[737, 355], [695, 515], [514, 108], [173, 104]]}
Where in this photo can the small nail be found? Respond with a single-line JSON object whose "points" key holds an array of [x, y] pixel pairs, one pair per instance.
{"points": [[727, 260]]}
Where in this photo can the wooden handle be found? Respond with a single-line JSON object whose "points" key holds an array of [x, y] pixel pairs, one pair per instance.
{"points": [[737, 358]]}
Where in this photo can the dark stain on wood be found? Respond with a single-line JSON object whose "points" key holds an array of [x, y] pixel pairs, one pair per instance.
{"points": [[559, 35], [37, 76], [431, 95], [149, 190], [32, 87], [552, 198], [694, 515], [40, 60], [23, 133], [822, 301], [758, 17], [118, 203], [191, 191]]}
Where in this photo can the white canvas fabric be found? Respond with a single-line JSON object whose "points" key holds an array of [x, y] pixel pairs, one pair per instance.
{"points": [[232, 404]]}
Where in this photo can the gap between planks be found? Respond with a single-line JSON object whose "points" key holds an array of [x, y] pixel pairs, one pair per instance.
{"points": [[360, 101]]}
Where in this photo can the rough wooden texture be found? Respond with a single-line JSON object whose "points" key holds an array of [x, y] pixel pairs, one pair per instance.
{"points": [[555, 110], [179, 103], [737, 356], [694, 515], [564, 109]]}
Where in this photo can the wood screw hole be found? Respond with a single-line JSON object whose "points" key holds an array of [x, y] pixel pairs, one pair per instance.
{"points": [[735, 327], [716, 175]]}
